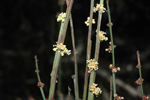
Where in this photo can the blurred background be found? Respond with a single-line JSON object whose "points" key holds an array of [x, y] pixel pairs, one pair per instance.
{"points": [[29, 28]]}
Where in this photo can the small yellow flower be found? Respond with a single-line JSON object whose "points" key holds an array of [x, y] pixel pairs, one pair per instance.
{"points": [[92, 65], [92, 87], [95, 90], [62, 53], [102, 9], [61, 17], [94, 10], [62, 48], [65, 50], [99, 7], [59, 46], [110, 49], [113, 68], [102, 36], [87, 22]]}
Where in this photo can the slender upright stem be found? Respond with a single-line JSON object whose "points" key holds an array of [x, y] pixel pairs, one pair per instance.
{"points": [[69, 97], [75, 87], [59, 68], [75, 58], [54, 74], [112, 46], [111, 34], [97, 50], [61, 38], [38, 76], [89, 43], [140, 72], [42, 92], [59, 80]]}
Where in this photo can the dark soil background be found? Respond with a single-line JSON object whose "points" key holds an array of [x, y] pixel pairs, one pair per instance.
{"points": [[29, 28]]}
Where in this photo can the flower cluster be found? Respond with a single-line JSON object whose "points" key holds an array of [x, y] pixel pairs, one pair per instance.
{"points": [[87, 22], [101, 35], [92, 64], [110, 24], [145, 97], [95, 90], [40, 84], [110, 49], [62, 48], [113, 68], [99, 7], [61, 17], [118, 97], [139, 81]]}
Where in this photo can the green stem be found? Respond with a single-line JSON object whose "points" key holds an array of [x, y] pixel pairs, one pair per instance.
{"points": [[89, 43], [75, 87], [112, 46], [86, 76], [59, 69], [140, 72], [141, 82], [42, 92], [59, 80], [97, 50], [111, 35], [92, 79], [75, 58], [38, 76], [54, 74], [61, 38]]}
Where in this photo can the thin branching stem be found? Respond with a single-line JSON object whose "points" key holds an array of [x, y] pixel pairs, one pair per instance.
{"points": [[97, 50], [112, 45], [75, 61], [61, 38], [140, 72], [89, 43], [38, 76], [75, 58]]}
